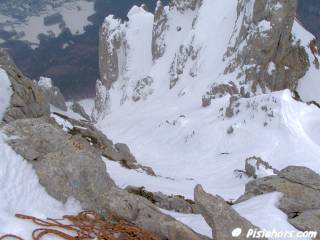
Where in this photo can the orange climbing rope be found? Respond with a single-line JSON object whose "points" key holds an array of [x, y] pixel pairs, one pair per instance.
{"points": [[84, 226]]}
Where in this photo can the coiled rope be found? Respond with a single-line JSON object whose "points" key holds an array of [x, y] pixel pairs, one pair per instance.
{"points": [[86, 225]]}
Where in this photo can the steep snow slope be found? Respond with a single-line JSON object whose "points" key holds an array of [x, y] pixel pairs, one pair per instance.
{"points": [[159, 111]]}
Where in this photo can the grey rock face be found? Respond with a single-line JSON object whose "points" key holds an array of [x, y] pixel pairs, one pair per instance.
{"points": [[220, 216], [101, 102], [52, 93], [77, 108], [315, 49], [301, 175], [160, 26], [273, 46], [109, 44], [262, 48], [296, 183], [99, 141], [27, 101], [219, 90], [68, 166]]}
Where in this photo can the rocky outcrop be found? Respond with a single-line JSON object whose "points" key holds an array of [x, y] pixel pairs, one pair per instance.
{"points": [[266, 33], [110, 45], [186, 53], [301, 175], [118, 152], [300, 188], [314, 46], [307, 221], [220, 216], [27, 100], [297, 197], [142, 89], [52, 93], [218, 91], [255, 167], [172, 203], [184, 5], [100, 109], [160, 26], [68, 166], [144, 214], [262, 49], [77, 108]]}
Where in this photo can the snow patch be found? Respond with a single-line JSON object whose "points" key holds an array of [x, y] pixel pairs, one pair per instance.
{"points": [[195, 221], [5, 92], [271, 68], [264, 26], [45, 83]]}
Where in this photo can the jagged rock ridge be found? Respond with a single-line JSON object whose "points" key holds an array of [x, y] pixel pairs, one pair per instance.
{"points": [[28, 100]]}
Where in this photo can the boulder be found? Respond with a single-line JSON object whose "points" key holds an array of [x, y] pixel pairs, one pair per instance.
{"points": [[300, 192], [52, 93], [307, 221], [77, 108], [124, 150], [301, 175], [220, 216], [27, 100], [68, 166]]}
